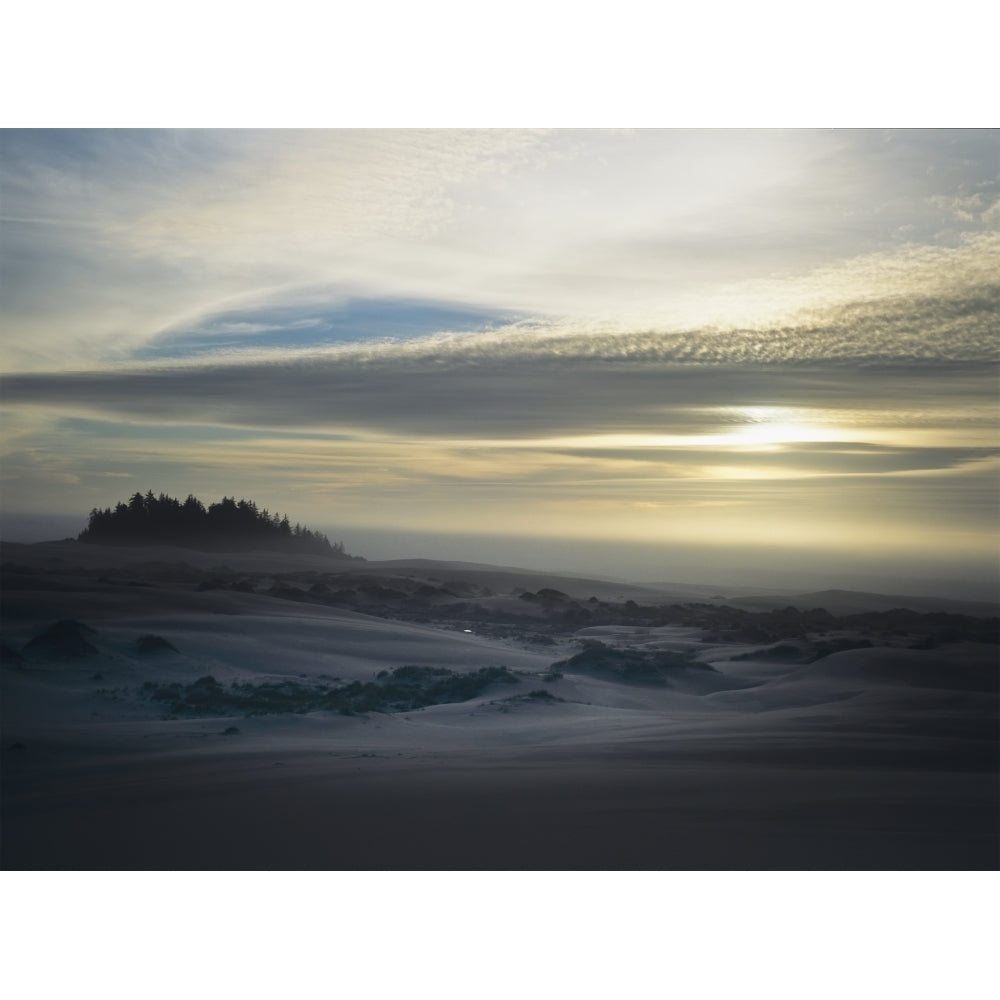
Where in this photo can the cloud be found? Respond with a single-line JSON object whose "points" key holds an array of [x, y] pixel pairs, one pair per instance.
{"points": [[531, 380], [112, 239], [140, 231], [766, 337]]}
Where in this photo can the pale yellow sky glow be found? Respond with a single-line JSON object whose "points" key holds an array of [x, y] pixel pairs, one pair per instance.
{"points": [[751, 339]]}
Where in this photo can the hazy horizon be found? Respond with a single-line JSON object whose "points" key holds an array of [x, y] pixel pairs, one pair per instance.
{"points": [[722, 567], [740, 354]]}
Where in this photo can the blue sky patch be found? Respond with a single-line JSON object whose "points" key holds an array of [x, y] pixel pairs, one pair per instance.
{"points": [[357, 321]]}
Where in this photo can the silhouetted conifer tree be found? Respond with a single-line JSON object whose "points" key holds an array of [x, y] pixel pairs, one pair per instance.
{"points": [[226, 525]]}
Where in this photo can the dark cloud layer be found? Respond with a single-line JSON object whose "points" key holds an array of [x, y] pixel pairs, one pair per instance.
{"points": [[918, 351], [516, 399]]}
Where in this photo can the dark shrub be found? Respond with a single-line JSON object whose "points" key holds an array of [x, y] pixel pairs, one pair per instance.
{"points": [[154, 644], [404, 689], [63, 639], [627, 664]]}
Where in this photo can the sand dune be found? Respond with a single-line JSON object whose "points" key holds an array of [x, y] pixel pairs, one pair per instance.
{"points": [[610, 738]]}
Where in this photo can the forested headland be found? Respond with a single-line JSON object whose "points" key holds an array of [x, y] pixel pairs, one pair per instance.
{"points": [[227, 525]]}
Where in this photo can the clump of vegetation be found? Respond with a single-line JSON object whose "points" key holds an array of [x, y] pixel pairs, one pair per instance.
{"points": [[649, 666], [540, 694], [65, 638], [536, 697], [226, 525], [154, 644], [401, 690], [724, 623]]}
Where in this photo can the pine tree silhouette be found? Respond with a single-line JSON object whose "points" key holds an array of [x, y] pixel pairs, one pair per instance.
{"points": [[223, 526]]}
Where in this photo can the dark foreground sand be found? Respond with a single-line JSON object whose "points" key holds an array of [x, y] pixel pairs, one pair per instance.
{"points": [[659, 807]]}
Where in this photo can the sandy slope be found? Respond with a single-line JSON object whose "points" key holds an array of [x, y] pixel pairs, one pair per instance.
{"points": [[878, 757]]}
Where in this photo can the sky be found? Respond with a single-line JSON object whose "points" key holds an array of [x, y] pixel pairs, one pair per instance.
{"points": [[751, 356]]}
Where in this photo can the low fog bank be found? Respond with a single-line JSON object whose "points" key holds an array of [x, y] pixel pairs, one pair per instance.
{"points": [[766, 568], [769, 567], [27, 528]]}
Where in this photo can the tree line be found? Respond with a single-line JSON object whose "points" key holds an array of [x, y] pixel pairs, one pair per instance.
{"points": [[226, 525]]}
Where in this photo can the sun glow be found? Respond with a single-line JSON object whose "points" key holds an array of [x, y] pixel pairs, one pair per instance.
{"points": [[752, 428], [772, 426]]}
